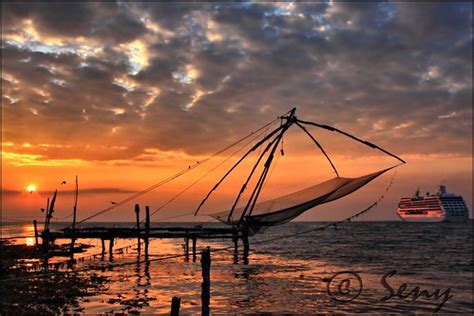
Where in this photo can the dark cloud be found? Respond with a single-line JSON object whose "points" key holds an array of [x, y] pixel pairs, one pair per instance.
{"points": [[203, 74], [107, 21]]}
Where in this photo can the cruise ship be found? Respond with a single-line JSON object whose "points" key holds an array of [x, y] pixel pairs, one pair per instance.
{"points": [[439, 207]]}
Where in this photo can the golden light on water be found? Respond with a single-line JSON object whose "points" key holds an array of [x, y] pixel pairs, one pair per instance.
{"points": [[30, 241], [28, 230], [31, 188]]}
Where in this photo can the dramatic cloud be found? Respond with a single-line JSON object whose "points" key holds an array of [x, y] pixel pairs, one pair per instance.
{"points": [[109, 81]]}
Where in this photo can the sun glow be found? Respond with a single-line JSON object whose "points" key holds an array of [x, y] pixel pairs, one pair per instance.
{"points": [[31, 188]]}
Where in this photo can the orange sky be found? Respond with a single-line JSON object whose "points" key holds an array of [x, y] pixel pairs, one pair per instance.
{"points": [[125, 95]]}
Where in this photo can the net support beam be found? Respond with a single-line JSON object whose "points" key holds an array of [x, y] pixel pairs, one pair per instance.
{"points": [[257, 145], [333, 129], [244, 186]]}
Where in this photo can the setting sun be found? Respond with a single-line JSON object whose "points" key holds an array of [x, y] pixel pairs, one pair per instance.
{"points": [[31, 188]]}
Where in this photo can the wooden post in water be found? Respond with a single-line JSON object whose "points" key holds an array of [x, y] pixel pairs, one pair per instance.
{"points": [[235, 239], [36, 232], [206, 281], [147, 230], [186, 248], [194, 249], [175, 306], [103, 248], [137, 212], [111, 248], [245, 240]]}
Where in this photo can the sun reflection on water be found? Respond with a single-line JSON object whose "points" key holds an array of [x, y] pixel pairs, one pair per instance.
{"points": [[28, 230]]}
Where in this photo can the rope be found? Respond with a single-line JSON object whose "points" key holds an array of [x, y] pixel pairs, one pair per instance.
{"points": [[63, 217], [178, 174], [205, 175], [85, 269]]}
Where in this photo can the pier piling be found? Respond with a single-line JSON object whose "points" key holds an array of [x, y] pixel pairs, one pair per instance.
{"points": [[137, 212], [235, 239], [186, 248], [175, 306], [103, 248], [206, 281], [111, 249], [147, 230], [245, 240], [194, 249], [35, 225]]}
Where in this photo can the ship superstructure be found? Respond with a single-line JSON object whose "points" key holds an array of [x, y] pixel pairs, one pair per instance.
{"points": [[442, 206]]}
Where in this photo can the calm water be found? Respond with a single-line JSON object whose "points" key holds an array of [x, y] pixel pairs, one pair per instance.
{"points": [[293, 274]]}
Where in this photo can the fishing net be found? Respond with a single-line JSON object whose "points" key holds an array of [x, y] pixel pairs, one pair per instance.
{"points": [[285, 208]]}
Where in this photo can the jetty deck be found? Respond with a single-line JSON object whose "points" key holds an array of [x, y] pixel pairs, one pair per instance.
{"points": [[108, 233], [143, 232]]}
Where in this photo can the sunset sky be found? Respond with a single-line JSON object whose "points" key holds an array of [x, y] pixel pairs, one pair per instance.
{"points": [[126, 94]]}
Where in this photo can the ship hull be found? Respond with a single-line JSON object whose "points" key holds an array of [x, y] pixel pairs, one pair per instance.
{"points": [[422, 219]]}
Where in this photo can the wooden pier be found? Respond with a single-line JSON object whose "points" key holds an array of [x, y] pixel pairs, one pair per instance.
{"points": [[147, 232]]}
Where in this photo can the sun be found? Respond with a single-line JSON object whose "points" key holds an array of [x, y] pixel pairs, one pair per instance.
{"points": [[31, 188]]}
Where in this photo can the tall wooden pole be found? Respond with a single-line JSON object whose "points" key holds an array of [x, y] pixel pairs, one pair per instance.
{"points": [[36, 232], [137, 212], [75, 205], [147, 230], [46, 210], [73, 239]]}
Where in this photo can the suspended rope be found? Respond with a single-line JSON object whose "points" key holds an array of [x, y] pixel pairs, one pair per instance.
{"points": [[177, 175], [63, 217]]}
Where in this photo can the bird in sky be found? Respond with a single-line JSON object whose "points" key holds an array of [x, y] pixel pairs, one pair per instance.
{"points": [[64, 182]]}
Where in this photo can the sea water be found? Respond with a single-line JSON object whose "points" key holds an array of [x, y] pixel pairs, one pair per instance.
{"points": [[368, 267]]}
